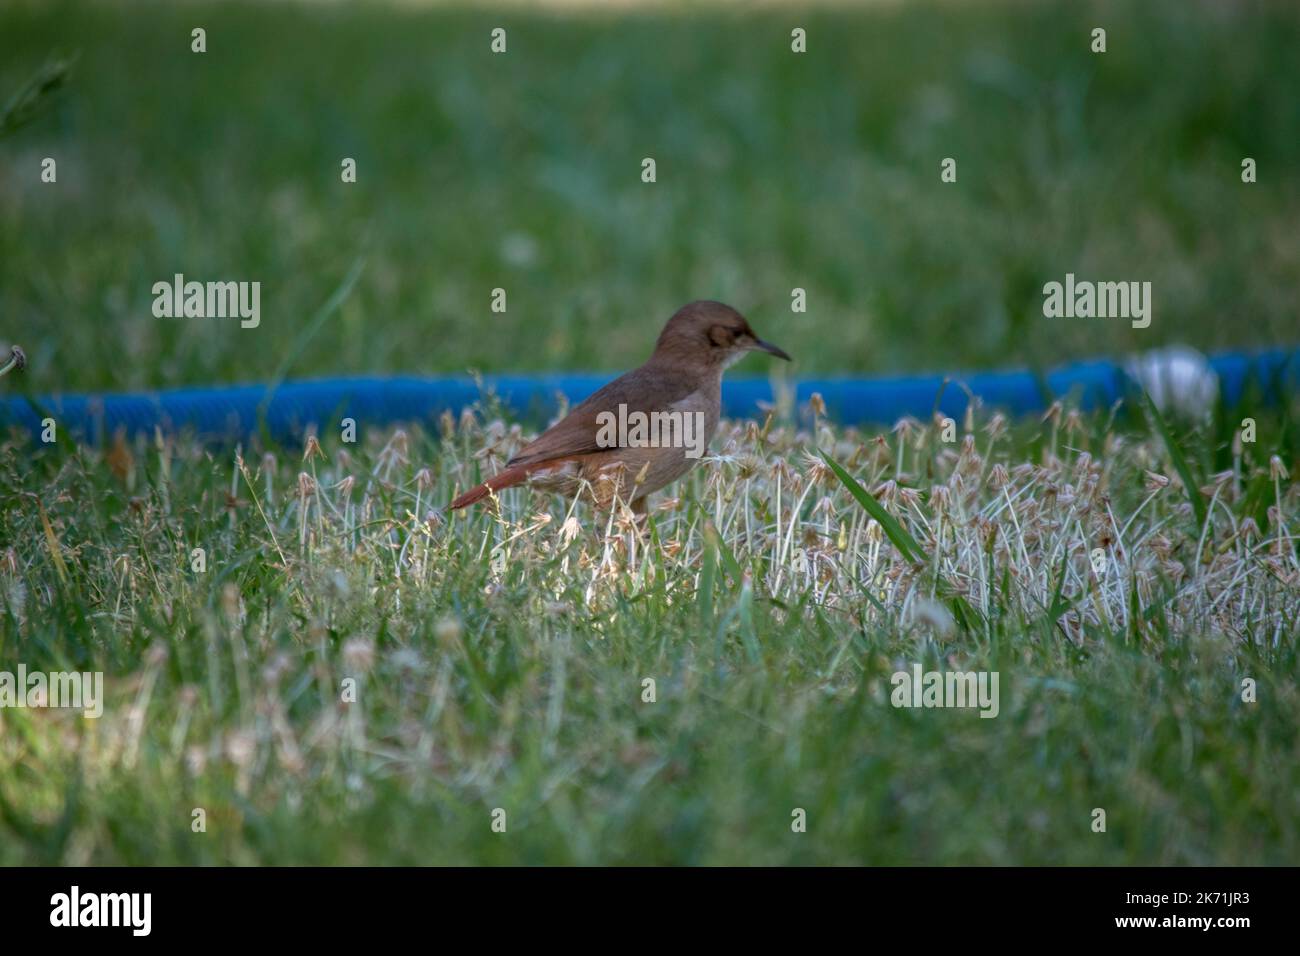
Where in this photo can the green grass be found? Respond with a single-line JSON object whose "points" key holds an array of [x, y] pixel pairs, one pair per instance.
{"points": [[500, 657], [521, 171]]}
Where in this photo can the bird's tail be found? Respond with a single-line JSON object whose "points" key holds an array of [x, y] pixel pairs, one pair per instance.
{"points": [[506, 479]]}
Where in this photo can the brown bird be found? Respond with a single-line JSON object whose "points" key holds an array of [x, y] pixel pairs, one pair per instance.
{"points": [[645, 429]]}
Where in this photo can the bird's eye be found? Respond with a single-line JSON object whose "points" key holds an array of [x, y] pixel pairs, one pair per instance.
{"points": [[720, 335]]}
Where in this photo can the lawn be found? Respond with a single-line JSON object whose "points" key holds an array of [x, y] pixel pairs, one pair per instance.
{"points": [[299, 643], [498, 661], [522, 171]]}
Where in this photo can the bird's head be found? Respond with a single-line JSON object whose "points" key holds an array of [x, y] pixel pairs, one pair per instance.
{"points": [[710, 334]]}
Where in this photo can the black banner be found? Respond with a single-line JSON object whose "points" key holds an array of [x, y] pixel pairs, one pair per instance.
{"points": [[333, 906]]}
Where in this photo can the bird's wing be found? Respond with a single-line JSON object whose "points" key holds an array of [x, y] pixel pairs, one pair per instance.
{"points": [[644, 390]]}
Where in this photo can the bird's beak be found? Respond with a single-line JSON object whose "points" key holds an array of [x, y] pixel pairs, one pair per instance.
{"points": [[772, 349]]}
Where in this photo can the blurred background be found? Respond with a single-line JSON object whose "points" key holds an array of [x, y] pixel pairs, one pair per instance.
{"points": [[523, 171]]}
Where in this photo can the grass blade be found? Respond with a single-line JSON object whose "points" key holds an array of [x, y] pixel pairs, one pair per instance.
{"points": [[900, 536], [1180, 463]]}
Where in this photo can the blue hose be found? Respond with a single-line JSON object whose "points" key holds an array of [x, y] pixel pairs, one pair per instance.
{"points": [[232, 412]]}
